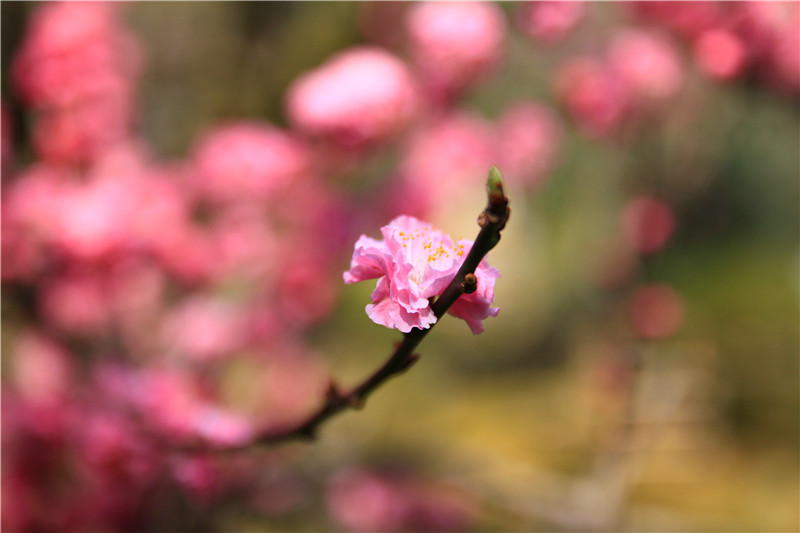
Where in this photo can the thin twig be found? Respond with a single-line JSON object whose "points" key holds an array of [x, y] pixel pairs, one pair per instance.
{"points": [[492, 220]]}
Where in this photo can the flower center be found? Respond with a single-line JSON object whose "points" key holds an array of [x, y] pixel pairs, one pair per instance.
{"points": [[427, 246]]}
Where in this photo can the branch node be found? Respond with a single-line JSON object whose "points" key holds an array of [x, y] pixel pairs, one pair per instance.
{"points": [[355, 401], [333, 393], [408, 363], [470, 283]]}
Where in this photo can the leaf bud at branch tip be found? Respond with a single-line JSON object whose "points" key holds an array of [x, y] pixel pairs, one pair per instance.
{"points": [[498, 202], [494, 183]]}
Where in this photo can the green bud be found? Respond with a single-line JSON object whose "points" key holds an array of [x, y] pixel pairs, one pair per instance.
{"points": [[494, 184]]}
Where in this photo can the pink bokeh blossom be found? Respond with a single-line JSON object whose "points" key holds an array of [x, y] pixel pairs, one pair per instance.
{"points": [[414, 263], [42, 371], [359, 96], [647, 224], [442, 159], [528, 143], [77, 69], [686, 19], [549, 21], [454, 44], [649, 63], [362, 499], [204, 328], [76, 303], [247, 161], [720, 54], [594, 95]]}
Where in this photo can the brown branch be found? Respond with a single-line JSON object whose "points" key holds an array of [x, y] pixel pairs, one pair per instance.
{"points": [[492, 220]]}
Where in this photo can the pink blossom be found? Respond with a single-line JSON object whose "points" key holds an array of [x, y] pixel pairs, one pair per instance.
{"points": [[454, 44], [77, 69], [176, 405], [42, 370], [414, 263], [550, 21], [442, 159], [648, 63], [203, 328], [686, 19], [31, 202], [76, 303], [136, 289], [528, 141], [199, 476], [219, 426], [92, 218], [67, 47], [244, 245], [364, 501], [782, 61], [247, 161], [720, 54], [115, 450], [82, 131], [305, 293], [357, 97], [647, 223], [594, 95]]}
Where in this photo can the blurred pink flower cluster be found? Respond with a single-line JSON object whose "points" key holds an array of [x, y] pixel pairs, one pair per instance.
{"points": [[640, 71], [730, 40], [142, 279], [363, 499], [77, 71]]}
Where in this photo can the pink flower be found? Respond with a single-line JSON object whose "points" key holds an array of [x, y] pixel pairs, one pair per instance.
{"points": [[76, 303], [361, 500], [647, 223], [204, 328], [454, 44], [549, 22], [686, 19], [42, 370], [247, 161], [443, 159], [648, 63], [199, 476], [529, 142], [720, 54], [357, 97], [414, 263], [77, 68], [594, 95], [68, 47]]}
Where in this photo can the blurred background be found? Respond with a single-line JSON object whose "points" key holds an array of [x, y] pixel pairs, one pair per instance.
{"points": [[182, 185]]}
